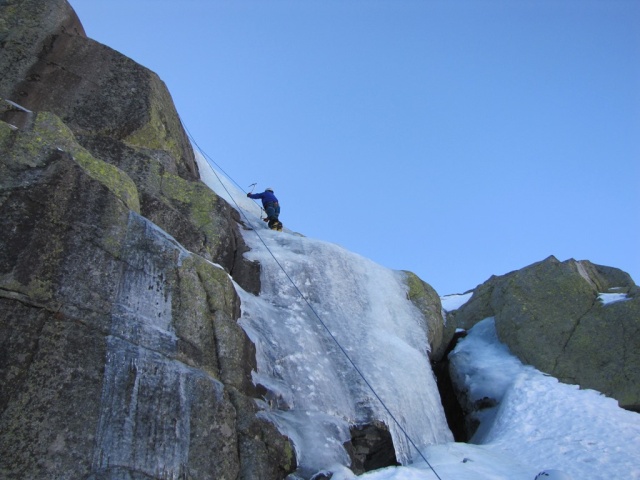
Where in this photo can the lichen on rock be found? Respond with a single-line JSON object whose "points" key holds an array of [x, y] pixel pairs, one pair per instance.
{"points": [[49, 134], [158, 132], [427, 300]]}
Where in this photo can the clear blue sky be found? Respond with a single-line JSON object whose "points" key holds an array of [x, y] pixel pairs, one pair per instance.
{"points": [[456, 139]]}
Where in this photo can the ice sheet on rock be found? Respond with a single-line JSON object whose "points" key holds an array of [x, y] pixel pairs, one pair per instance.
{"points": [[146, 396], [225, 188], [315, 392], [365, 308]]}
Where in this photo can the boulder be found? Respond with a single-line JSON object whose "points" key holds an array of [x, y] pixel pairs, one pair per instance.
{"points": [[200, 220], [437, 329], [603, 352], [551, 317], [25, 28]]}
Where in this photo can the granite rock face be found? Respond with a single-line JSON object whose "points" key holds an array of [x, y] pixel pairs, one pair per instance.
{"points": [[94, 89], [120, 353], [551, 316], [122, 113]]}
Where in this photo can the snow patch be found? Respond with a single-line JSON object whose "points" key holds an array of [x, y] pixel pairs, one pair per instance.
{"points": [[608, 298], [454, 302]]}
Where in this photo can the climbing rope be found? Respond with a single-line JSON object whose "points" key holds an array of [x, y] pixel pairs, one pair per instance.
{"points": [[364, 379]]}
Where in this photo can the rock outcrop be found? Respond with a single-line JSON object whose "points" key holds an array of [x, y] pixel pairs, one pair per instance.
{"points": [[437, 329], [551, 316], [121, 355]]}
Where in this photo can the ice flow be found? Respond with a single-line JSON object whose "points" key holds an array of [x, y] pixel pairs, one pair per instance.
{"points": [[315, 393]]}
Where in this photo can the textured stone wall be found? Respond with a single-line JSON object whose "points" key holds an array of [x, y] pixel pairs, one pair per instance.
{"points": [[120, 355]]}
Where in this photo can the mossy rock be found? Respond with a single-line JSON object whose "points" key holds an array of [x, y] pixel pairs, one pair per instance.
{"points": [[162, 123], [427, 300], [199, 201], [31, 148], [549, 315]]}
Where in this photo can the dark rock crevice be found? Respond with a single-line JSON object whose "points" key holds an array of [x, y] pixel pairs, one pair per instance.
{"points": [[246, 273], [371, 448], [455, 415]]}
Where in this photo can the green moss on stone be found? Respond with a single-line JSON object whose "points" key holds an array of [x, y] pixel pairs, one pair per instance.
{"points": [[427, 300], [198, 200], [192, 294], [49, 133], [34, 146], [290, 458], [421, 294], [416, 287], [155, 134], [110, 176], [36, 290], [176, 188], [39, 290], [221, 294]]}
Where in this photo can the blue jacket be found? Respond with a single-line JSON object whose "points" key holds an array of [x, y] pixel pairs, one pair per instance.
{"points": [[266, 196]]}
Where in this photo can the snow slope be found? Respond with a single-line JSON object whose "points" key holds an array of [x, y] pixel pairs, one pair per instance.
{"points": [[313, 291]]}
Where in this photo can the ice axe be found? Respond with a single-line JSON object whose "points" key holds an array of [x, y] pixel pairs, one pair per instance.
{"points": [[253, 185]]}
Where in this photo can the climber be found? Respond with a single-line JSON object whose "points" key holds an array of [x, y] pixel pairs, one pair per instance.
{"points": [[271, 206]]}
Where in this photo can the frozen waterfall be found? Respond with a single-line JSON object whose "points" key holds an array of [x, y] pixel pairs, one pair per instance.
{"points": [[315, 393]]}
